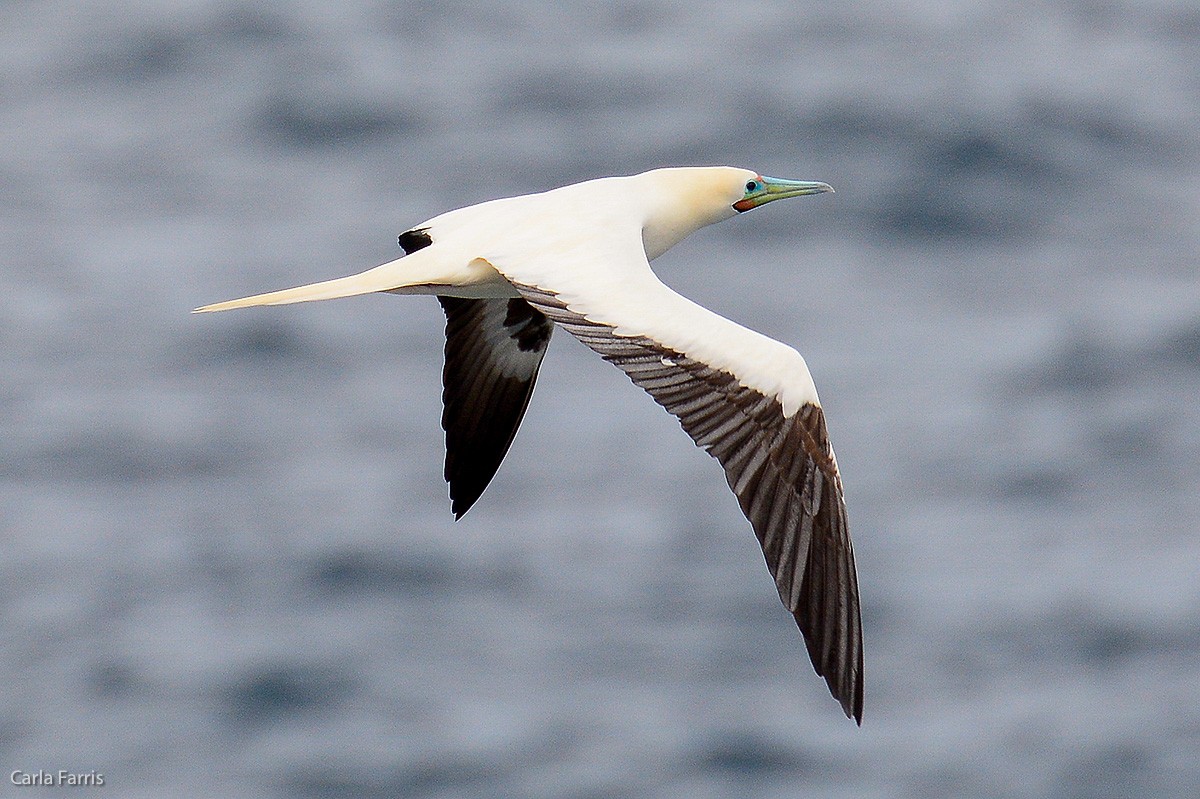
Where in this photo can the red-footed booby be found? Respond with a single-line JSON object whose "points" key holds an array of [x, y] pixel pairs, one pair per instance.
{"points": [[507, 271]]}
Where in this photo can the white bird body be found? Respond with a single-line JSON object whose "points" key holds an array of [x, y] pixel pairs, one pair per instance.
{"points": [[593, 244], [508, 270]]}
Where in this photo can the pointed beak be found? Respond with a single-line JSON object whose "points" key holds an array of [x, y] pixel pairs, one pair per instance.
{"points": [[779, 189]]}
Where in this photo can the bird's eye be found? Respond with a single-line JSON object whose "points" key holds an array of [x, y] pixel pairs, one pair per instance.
{"points": [[752, 185]]}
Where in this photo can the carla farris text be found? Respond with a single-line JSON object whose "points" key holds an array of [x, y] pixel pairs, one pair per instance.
{"points": [[57, 778]]}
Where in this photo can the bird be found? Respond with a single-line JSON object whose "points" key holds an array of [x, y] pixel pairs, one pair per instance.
{"points": [[510, 270]]}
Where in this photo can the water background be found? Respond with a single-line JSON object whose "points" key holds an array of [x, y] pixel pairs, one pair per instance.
{"points": [[227, 562]]}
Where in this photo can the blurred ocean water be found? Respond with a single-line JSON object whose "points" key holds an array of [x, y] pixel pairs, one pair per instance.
{"points": [[228, 563]]}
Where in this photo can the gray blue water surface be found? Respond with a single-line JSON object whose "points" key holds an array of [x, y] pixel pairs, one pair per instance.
{"points": [[227, 562]]}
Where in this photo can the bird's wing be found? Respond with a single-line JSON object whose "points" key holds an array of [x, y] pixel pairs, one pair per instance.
{"points": [[493, 350], [716, 378]]}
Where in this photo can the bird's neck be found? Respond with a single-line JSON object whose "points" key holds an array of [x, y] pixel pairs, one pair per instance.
{"points": [[677, 205], [670, 224]]}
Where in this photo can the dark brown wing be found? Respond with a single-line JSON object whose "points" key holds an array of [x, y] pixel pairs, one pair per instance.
{"points": [[493, 350], [782, 470]]}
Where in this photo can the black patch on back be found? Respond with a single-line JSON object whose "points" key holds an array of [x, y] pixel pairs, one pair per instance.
{"points": [[526, 325], [413, 240]]}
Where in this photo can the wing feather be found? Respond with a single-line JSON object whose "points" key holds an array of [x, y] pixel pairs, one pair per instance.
{"points": [[494, 348], [782, 470]]}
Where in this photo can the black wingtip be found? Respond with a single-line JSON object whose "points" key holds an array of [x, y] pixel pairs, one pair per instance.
{"points": [[463, 495], [852, 702], [845, 685], [459, 507]]}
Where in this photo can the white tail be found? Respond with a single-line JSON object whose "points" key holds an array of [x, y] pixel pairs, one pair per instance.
{"points": [[387, 277]]}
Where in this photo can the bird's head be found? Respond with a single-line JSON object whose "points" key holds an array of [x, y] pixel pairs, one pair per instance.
{"points": [[689, 198], [759, 190]]}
